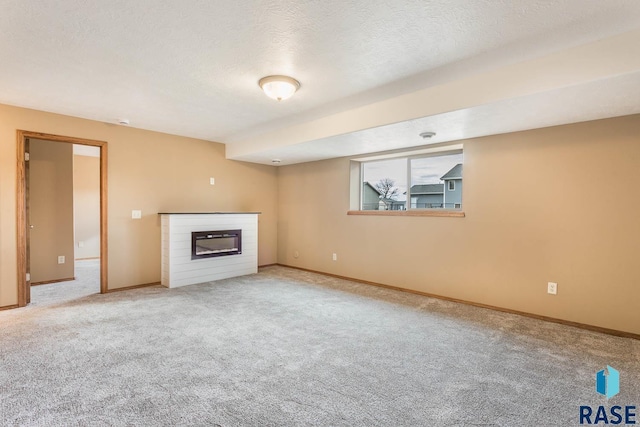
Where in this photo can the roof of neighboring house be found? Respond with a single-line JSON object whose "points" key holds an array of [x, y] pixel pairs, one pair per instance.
{"points": [[393, 201], [372, 187], [454, 173], [427, 189]]}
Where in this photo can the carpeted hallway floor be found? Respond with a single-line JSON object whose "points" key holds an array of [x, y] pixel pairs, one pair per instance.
{"points": [[290, 348], [87, 283]]}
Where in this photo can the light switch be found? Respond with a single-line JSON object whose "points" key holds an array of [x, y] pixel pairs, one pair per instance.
{"points": [[212, 181], [136, 214]]}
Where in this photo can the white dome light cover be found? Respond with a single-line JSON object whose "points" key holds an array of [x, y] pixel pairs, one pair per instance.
{"points": [[279, 87]]}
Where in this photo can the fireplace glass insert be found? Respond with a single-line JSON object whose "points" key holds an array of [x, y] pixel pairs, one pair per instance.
{"points": [[205, 244]]}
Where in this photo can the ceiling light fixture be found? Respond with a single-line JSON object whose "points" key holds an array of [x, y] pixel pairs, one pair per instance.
{"points": [[279, 87], [123, 122], [276, 161], [427, 135]]}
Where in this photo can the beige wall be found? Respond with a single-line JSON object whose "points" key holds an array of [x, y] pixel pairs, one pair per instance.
{"points": [[51, 210], [86, 206], [150, 171], [557, 204]]}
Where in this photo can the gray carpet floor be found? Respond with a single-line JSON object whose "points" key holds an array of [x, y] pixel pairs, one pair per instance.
{"points": [[291, 348]]}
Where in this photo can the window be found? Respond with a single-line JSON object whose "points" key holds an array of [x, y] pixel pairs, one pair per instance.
{"points": [[416, 182], [428, 177], [384, 185]]}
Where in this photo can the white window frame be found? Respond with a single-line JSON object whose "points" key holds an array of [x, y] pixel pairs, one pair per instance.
{"points": [[451, 185]]}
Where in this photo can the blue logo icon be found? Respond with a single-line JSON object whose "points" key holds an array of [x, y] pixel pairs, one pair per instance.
{"points": [[608, 384]]}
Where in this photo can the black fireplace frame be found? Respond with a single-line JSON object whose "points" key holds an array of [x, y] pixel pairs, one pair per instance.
{"points": [[215, 234]]}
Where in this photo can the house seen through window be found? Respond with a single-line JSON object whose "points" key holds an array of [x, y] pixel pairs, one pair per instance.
{"points": [[430, 182]]}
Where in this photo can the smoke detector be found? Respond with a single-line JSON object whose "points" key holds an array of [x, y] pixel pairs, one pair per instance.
{"points": [[427, 135]]}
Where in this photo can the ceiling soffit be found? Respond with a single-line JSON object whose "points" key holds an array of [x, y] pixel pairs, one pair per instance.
{"points": [[596, 65]]}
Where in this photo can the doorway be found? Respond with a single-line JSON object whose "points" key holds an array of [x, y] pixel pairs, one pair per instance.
{"points": [[24, 227]]}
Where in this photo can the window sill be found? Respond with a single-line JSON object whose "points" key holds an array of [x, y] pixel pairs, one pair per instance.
{"points": [[412, 212]]}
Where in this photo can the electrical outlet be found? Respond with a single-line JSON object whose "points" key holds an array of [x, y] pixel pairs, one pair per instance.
{"points": [[212, 181], [81, 244], [296, 254], [335, 257], [552, 288], [61, 259], [136, 214]]}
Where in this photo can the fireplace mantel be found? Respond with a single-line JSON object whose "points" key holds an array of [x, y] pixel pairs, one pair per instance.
{"points": [[178, 269], [209, 213]]}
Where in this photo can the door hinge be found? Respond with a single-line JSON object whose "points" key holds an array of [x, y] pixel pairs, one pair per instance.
{"points": [[26, 157]]}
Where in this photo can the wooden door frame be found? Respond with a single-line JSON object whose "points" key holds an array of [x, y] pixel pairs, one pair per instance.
{"points": [[21, 207]]}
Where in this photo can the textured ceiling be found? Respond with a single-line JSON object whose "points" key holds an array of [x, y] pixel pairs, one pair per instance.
{"points": [[191, 68], [516, 114]]}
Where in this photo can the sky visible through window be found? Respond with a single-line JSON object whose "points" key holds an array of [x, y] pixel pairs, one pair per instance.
{"points": [[426, 170]]}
